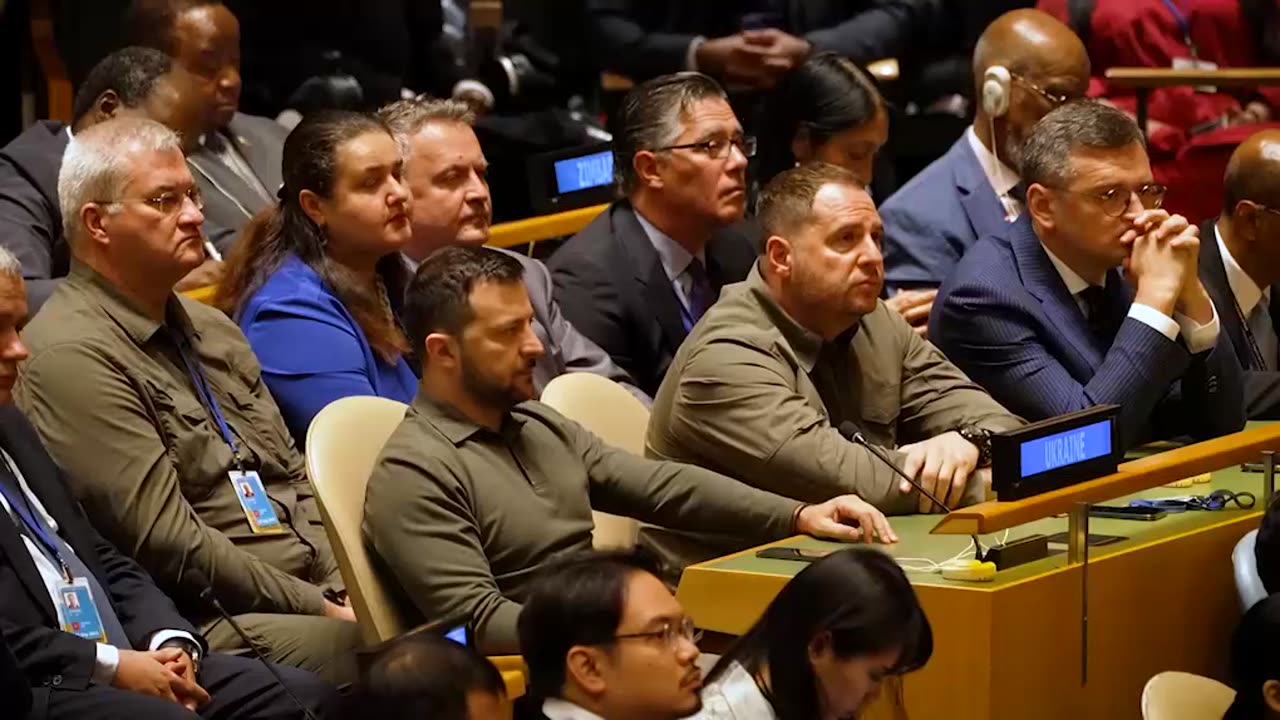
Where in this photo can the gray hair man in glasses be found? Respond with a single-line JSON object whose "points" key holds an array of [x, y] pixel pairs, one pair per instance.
{"points": [[154, 405], [1093, 297], [642, 273], [604, 639]]}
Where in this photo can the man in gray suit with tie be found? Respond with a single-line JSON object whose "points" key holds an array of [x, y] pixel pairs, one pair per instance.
{"points": [[446, 173], [235, 158]]}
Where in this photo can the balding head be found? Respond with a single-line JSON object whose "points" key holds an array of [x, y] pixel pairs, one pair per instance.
{"points": [[1046, 61], [1254, 172]]}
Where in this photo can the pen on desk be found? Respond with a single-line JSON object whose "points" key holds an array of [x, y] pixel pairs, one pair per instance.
{"points": [[212, 251]]}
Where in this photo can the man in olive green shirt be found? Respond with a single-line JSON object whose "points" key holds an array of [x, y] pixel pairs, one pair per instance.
{"points": [[764, 382], [479, 486], [113, 386]]}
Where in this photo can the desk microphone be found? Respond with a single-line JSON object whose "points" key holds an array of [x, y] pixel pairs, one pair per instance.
{"points": [[849, 431], [206, 594]]}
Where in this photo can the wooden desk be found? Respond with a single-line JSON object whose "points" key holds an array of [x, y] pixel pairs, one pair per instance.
{"points": [[1142, 80], [1163, 599], [542, 227]]}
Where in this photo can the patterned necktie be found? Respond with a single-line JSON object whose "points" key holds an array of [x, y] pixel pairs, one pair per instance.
{"points": [[1095, 303], [700, 293]]}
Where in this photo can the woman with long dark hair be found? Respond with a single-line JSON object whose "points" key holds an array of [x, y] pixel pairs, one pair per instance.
{"points": [[826, 109], [824, 644], [316, 281]]}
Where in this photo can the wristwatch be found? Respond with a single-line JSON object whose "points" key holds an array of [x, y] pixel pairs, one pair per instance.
{"points": [[188, 647], [981, 439]]}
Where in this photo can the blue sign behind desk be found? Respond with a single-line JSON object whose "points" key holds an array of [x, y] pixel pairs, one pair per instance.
{"points": [[584, 172], [1066, 448]]}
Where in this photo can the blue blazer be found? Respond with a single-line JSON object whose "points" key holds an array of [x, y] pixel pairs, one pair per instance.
{"points": [[931, 222], [311, 349], [1005, 317]]}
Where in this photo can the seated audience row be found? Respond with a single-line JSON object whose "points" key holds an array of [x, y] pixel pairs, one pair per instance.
{"points": [[90, 632]]}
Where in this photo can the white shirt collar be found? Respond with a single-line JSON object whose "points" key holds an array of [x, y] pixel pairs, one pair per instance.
{"points": [[557, 709], [734, 696], [1001, 177], [1075, 283], [1243, 287], [675, 258]]}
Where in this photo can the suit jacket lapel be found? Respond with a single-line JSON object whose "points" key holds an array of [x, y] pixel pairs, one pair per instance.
{"points": [[659, 295], [981, 206], [207, 166], [14, 547], [1042, 280], [263, 163], [1213, 273]]}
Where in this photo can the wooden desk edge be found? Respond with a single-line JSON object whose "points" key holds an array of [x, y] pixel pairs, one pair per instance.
{"points": [[542, 227], [1142, 77], [1134, 476]]}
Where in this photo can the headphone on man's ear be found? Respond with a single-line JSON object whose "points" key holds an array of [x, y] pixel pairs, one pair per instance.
{"points": [[996, 90]]}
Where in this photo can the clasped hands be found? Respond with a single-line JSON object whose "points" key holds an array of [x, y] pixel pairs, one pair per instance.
{"points": [[752, 59], [1163, 265]]}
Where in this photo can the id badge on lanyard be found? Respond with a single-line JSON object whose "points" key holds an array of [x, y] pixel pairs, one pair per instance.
{"points": [[1193, 62], [77, 611]]}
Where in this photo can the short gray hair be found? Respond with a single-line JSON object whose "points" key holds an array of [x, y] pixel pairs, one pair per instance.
{"points": [[10, 266], [99, 160], [1046, 155], [650, 116], [407, 117]]}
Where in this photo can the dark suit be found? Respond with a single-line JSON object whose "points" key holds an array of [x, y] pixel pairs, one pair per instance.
{"points": [[13, 684], [645, 39], [30, 221], [612, 287], [1261, 387], [1005, 317], [230, 202], [935, 218], [58, 666]]}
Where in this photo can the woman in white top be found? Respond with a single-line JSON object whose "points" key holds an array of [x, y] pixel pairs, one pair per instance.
{"points": [[824, 644]]}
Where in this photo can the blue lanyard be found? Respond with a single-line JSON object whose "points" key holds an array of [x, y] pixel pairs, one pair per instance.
{"points": [[35, 529], [1183, 24], [207, 398]]}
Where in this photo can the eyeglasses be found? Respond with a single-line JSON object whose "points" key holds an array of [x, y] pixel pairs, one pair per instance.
{"points": [[1116, 200], [718, 148], [671, 633], [1264, 208], [1055, 99], [166, 203]]}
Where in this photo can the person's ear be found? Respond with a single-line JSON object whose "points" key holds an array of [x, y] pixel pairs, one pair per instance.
{"points": [[1271, 695], [312, 205], [1040, 205], [802, 146], [646, 165], [93, 221], [1244, 221], [778, 258], [440, 349], [107, 104], [820, 647], [583, 668]]}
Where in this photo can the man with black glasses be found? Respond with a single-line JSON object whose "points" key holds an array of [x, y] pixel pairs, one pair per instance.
{"points": [[641, 274], [1041, 316]]}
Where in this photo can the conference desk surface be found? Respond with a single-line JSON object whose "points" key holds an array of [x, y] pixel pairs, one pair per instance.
{"points": [[1161, 599]]}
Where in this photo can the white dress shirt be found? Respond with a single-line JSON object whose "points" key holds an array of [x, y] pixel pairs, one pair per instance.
{"points": [[734, 696], [108, 657], [1197, 337], [1001, 177], [557, 709], [675, 260]]}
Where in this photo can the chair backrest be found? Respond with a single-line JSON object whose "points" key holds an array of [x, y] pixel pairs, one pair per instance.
{"points": [[1183, 696], [343, 443], [615, 416], [1245, 563]]}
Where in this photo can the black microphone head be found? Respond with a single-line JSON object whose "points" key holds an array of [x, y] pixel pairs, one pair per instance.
{"points": [[849, 431], [197, 578]]}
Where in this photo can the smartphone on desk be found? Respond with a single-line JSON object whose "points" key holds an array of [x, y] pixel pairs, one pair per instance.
{"points": [[1126, 512], [790, 553]]}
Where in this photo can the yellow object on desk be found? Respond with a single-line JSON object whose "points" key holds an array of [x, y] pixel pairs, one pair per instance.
{"points": [[1187, 482]]}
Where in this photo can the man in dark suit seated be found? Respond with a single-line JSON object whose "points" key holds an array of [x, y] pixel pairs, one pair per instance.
{"points": [[972, 191], [641, 274], [91, 634], [746, 44], [446, 174], [131, 81], [1041, 317], [1240, 266], [235, 158]]}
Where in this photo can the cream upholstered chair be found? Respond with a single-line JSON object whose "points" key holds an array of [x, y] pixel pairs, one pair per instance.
{"points": [[1183, 696], [615, 416], [343, 443]]}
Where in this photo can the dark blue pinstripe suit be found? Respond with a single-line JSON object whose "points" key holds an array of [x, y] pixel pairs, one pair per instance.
{"points": [[1006, 318]]}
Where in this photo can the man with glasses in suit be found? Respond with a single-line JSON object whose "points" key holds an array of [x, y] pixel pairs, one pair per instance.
{"points": [[642, 273], [1041, 316]]}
